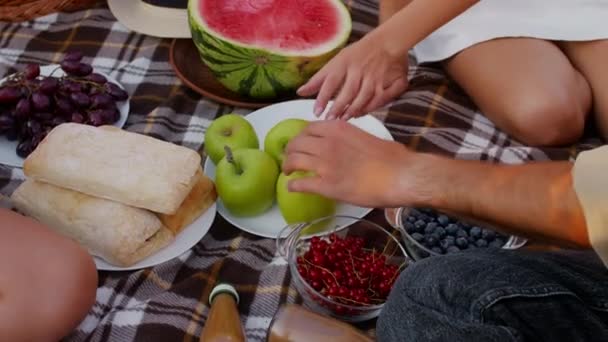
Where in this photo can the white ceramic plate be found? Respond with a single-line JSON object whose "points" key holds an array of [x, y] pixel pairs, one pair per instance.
{"points": [[185, 240], [270, 223], [8, 154]]}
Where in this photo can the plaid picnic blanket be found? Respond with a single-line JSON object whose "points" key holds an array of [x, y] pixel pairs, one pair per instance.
{"points": [[168, 302]]}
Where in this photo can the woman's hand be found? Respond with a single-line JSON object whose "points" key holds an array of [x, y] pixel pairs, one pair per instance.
{"points": [[353, 166], [363, 77]]}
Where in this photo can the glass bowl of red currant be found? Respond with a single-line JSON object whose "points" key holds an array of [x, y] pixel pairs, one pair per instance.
{"points": [[343, 266], [428, 232]]}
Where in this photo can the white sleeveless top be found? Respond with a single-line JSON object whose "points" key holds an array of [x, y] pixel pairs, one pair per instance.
{"points": [[566, 20]]}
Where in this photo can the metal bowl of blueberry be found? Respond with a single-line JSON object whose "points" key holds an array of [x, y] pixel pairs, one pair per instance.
{"points": [[428, 232]]}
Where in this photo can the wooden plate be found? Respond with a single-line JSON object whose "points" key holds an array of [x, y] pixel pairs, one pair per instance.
{"points": [[189, 67]]}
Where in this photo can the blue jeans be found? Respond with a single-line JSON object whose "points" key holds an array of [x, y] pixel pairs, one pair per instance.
{"points": [[498, 295]]}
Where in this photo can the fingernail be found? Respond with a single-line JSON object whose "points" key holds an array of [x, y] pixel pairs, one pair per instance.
{"points": [[317, 110]]}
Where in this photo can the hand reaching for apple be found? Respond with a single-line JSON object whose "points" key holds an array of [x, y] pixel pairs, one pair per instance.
{"points": [[352, 165]]}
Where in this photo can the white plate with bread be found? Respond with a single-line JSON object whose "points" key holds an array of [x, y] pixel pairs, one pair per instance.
{"points": [[132, 200]]}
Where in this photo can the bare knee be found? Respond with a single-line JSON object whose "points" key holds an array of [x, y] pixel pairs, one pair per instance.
{"points": [[547, 121], [49, 301]]}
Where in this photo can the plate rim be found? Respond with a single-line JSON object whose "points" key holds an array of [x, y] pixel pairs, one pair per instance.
{"points": [[107, 267], [120, 123], [364, 211]]}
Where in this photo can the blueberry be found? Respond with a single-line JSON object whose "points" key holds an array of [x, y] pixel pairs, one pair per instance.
{"points": [[451, 229], [437, 250], [481, 243], [450, 238], [464, 225], [446, 243], [410, 228], [471, 240], [453, 249], [475, 232], [462, 242], [462, 234], [427, 211], [443, 220], [418, 237], [420, 224], [415, 213], [487, 234], [430, 228], [440, 231], [411, 219], [497, 243], [430, 241]]}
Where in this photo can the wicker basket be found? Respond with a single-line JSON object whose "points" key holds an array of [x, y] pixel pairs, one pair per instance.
{"points": [[23, 10]]}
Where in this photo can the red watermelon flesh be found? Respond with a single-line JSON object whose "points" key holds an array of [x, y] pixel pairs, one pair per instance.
{"points": [[293, 25]]}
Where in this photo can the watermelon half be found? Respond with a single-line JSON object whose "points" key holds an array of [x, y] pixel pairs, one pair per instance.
{"points": [[267, 48]]}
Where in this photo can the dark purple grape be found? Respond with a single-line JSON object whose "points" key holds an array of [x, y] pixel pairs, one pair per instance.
{"points": [[23, 109], [32, 128], [77, 118], [97, 78], [40, 102], [74, 87], [101, 101], [80, 99], [6, 122], [84, 69], [108, 116], [31, 71], [64, 106], [96, 118], [43, 116], [73, 56], [9, 94], [70, 67], [96, 90], [57, 121], [12, 134], [115, 116], [48, 85], [24, 148], [116, 92]]}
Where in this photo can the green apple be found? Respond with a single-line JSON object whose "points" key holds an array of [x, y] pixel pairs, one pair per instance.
{"points": [[280, 134], [230, 130], [246, 180], [298, 207]]}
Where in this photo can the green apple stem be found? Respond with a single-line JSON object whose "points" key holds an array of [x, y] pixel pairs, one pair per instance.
{"points": [[230, 158]]}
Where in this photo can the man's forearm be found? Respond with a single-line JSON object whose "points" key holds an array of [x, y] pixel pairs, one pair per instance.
{"points": [[534, 199], [390, 7], [416, 21]]}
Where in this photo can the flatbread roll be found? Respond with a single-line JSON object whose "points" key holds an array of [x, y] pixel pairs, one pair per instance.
{"points": [[202, 196], [114, 164], [120, 234]]}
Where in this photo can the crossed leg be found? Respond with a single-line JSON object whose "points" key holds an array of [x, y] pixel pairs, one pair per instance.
{"points": [[527, 87], [590, 59]]}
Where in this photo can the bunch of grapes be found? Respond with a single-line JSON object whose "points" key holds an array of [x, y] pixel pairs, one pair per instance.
{"points": [[31, 105]]}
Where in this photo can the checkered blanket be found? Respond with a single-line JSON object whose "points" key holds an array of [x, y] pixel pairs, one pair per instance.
{"points": [[168, 302]]}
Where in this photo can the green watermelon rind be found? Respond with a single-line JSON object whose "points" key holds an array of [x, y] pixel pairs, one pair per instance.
{"points": [[275, 74]]}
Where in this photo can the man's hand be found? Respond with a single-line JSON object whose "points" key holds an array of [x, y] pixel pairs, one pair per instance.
{"points": [[352, 165]]}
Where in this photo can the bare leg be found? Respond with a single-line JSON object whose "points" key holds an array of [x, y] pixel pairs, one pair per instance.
{"points": [[47, 282], [527, 87], [590, 59]]}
